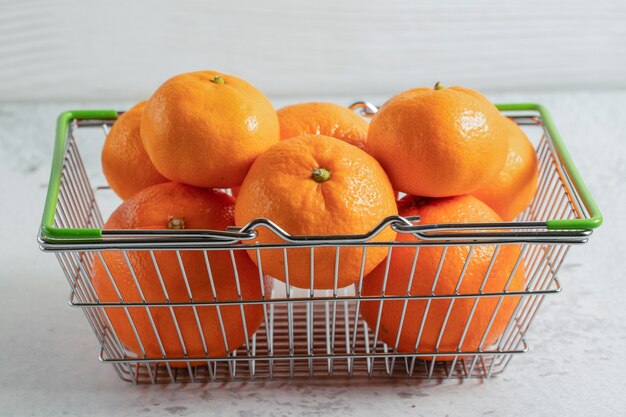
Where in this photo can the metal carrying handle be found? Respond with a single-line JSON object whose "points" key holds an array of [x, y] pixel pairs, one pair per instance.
{"points": [[337, 239], [115, 238], [364, 108], [427, 234]]}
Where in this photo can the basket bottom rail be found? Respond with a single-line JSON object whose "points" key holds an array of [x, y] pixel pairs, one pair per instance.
{"points": [[313, 352]]}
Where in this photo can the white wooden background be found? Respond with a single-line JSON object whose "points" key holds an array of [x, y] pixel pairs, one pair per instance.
{"points": [[122, 49]]}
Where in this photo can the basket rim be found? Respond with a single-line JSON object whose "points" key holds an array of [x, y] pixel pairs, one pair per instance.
{"points": [[50, 235]]}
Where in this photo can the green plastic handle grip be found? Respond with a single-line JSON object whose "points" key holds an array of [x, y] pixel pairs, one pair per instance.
{"points": [[48, 230], [595, 216]]}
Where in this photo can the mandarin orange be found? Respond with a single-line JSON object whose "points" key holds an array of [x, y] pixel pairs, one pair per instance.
{"points": [[176, 206], [125, 163], [327, 119], [206, 128], [317, 185], [452, 278], [512, 190], [438, 142]]}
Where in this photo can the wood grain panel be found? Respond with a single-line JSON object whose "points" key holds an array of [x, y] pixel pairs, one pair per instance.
{"points": [[81, 50]]}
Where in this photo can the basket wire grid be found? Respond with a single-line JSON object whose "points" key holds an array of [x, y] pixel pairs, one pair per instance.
{"points": [[318, 333]]}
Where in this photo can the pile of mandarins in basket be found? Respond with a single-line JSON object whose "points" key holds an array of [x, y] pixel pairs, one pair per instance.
{"points": [[312, 169]]}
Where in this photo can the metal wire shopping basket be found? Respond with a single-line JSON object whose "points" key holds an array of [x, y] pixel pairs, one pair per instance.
{"points": [[306, 332]]}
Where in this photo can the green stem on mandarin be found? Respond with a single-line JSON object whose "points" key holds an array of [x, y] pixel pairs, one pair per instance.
{"points": [[320, 175], [439, 86], [217, 80], [176, 223]]}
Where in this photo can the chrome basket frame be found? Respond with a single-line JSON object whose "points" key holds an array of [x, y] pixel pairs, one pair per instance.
{"points": [[318, 333]]}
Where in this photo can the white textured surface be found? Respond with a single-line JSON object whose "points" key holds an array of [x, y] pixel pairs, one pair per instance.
{"points": [[78, 49], [575, 366]]}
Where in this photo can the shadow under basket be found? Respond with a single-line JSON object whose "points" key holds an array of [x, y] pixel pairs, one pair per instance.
{"points": [[307, 333]]}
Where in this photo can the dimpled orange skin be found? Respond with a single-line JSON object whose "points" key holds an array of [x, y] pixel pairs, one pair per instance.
{"points": [[515, 186], [462, 209], [207, 133], [199, 208], [438, 142], [355, 198], [327, 119], [125, 163]]}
